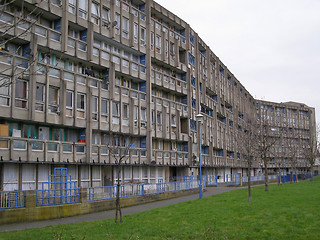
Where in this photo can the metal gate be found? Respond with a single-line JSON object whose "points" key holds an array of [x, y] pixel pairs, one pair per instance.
{"points": [[59, 189]]}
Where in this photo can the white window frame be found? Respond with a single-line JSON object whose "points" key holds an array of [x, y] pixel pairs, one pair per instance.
{"points": [[104, 112], [94, 104], [26, 94], [135, 32], [69, 107], [40, 102], [125, 27], [143, 32], [52, 105], [158, 44], [95, 13], [81, 111]]}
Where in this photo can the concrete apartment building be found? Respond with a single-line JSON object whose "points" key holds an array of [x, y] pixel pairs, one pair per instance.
{"points": [[292, 128], [86, 75]]}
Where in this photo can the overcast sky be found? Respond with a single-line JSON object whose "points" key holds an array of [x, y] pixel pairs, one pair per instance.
{"points": [[271, 46]]}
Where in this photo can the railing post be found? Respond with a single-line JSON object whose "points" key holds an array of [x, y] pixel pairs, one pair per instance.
{"points": [[227, 179]]}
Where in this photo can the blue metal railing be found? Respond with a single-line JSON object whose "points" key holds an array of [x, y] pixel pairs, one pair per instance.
{"points": [[233, 179], [59, 189], [12, 199], [211, 180], [109, 192]]}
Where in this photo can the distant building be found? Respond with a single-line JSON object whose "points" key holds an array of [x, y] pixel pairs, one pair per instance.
{"points": [[292, 125], [87, 75]]}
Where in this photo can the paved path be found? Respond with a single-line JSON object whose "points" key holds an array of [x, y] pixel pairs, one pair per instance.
{"points": [[110, 213]]}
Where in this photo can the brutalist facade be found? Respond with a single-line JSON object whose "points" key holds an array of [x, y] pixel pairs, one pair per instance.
{"points": [[84, 82]]}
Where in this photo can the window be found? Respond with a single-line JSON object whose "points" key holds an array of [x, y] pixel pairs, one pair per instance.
{"points": [[135, 32], [4, 90], [94, 108], [95, 13], [173, 121], [105, 17], [83, 8], [167, 48], [40, 97], [104, 110], [56, 2], [115, 112], [143, 116], [135, 115], [116, 59], [117, 27], [191, 59], [125, 63], [152, 40], [53, 105], [72, 6], [125, 111], [95, 52], [159, 118], [142, 36], [21, 99], [81, 102], [4, 17], [158, 44], [69, 103], [172, 51], [125, 114], [125, 27]]}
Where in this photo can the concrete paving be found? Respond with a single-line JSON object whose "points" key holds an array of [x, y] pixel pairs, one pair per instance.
{"points": [[110, 213]]}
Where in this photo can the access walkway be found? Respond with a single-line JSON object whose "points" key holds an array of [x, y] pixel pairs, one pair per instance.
{"points": [[110, 213]]}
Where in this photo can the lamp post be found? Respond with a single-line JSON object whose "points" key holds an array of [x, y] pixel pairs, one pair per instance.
{"points": [[199, 120]]}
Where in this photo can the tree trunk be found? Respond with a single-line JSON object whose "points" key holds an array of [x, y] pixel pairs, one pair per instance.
{"points": [[279, 182], [249, 184], [311, 172], [117, 201], [295, 173], [118, 206], [266, 177]]}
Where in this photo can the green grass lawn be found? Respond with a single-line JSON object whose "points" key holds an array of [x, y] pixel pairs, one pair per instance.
{"points": [[289, 211]]}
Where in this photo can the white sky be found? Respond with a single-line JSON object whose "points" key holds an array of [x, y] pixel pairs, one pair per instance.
{"points": [[271, 46]]}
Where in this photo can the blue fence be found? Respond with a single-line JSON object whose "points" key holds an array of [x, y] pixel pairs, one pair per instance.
{"points": [[109, 192], [59, 189], [11, 199], [233, 179], [211, 180], [256, 178]]}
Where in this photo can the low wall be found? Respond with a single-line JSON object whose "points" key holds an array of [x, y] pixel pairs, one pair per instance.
{"points": [[33, 213], [253, 183]]}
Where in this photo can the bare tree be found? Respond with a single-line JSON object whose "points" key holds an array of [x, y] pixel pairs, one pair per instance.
{"points": [[120, 154], [247, 142], [311, 150], [25, 22], [265, 142]]}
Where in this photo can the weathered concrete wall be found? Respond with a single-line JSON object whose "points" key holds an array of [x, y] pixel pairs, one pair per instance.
{"points": [[33, 213]]}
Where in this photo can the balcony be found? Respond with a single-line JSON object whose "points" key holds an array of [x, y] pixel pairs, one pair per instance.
{"points": [[168, 157], [35, 150], [108, 155]]}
